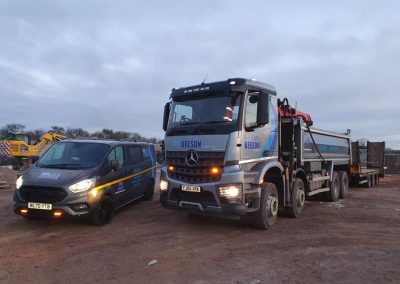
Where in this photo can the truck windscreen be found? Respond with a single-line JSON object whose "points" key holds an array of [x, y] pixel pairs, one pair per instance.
{"points": [[73, 155], [204, 115]]}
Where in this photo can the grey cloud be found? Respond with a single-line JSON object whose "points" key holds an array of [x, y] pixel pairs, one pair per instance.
{"points": [[100, 64]]}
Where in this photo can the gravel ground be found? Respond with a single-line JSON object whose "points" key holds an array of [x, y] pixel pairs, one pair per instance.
{"points": [[356, 240]]}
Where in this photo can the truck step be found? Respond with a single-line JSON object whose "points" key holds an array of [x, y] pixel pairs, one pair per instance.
{"points": [[321, 178], [318, 191]]}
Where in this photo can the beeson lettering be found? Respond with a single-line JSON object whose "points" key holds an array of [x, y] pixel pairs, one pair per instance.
{"points": [[191, 144]]}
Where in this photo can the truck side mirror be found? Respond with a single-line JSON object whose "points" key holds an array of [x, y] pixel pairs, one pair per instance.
{"points": [[167, 109], [262, 109]]}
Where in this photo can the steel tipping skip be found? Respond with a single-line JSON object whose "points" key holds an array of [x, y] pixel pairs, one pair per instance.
{"points": [[234, 150]]}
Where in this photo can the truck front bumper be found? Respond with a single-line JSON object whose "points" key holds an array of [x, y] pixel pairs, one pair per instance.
{"points": [[208, 201]]}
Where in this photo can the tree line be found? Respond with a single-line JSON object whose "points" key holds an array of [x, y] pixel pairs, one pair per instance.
{"points": [[79, 132]]}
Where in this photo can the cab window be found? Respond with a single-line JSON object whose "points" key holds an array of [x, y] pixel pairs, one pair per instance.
{"points": [[116, 154], [251, 111], [135, 154], [146, 152]]}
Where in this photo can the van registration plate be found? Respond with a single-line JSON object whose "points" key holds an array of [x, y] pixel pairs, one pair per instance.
{"points": [[41, 206], [191, 188]]}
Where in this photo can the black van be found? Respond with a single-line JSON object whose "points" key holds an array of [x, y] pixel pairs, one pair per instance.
{"points": [[86, 178]]}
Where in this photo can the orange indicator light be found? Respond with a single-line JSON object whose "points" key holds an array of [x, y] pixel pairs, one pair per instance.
{"points": [[171, 168], [57, 214], [215, 170], [24, 211]]}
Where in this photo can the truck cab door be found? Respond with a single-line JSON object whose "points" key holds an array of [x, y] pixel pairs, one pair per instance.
{"points": [[259, 141]]}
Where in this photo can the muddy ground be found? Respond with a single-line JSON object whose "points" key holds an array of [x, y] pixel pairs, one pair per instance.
{"points": [[354, 241]]}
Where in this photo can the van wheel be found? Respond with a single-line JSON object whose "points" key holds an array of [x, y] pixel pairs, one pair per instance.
{"points": [[148, 194], [298, 196], [344, 184], [266, 216], [103, 212], [334, 188]]}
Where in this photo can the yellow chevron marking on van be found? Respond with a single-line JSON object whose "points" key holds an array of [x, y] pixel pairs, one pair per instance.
{"points": [[122, 179]]}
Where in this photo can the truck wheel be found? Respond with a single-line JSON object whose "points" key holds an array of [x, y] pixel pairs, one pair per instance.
{"points": [[344, 184], [148, 194], [265, 217], [334, 188], [298, 196], [103, 212]]}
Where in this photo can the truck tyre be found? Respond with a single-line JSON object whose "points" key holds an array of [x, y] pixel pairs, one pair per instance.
{"points": [[103, 212], [148, 194], [265, 217], [334, 188], [344, 184], [297, 196]]}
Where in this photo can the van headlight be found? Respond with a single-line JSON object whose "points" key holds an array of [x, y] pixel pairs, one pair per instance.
{"points": [[83, 185], [19, 182], [232, 193], [163, 185]]}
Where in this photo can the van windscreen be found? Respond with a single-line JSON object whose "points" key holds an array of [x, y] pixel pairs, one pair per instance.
{"points": [[73, 155]]}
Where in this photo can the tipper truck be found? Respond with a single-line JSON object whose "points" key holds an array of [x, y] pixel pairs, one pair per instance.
{"points": [[234, 150]]}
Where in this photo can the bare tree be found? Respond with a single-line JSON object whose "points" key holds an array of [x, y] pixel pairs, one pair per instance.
{"points": [[58, 129]]}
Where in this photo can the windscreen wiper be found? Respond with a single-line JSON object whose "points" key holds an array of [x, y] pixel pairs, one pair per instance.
{"points": [[181, 124], [216, 121], [208, 122], [58, 166]]}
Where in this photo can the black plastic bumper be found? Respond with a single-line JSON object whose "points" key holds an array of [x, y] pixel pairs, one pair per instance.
{"points": [[228, 211]]}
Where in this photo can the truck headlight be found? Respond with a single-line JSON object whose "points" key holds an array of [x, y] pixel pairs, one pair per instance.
{"points": [[83, 185], [233, 193], [163, 185], [19, 182]]}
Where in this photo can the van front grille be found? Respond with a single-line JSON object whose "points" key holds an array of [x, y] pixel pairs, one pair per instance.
{"points": [[42, 194]]}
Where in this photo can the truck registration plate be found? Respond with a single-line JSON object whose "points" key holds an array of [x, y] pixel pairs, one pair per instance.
{"points": [[41, 206], [191, 188]]}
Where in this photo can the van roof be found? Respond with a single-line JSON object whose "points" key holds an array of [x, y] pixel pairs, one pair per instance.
{"points": [[105, 141]]}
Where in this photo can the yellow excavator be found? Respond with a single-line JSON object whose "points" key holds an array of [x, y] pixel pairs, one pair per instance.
{"points": [[17, 146]]}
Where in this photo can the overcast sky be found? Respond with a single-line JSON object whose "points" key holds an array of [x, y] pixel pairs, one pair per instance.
{"points": [[111, 64]]}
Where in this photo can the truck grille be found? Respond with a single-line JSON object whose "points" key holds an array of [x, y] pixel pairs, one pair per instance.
{"points": [[205, 198], [199, 173], [42, 194]]}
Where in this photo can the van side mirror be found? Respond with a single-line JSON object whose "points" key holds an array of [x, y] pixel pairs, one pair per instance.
{"points": [[262, 109], [167, 109], [114, 165]]}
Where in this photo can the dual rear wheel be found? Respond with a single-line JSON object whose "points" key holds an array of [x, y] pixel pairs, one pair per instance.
{"points": [[338, 187]]}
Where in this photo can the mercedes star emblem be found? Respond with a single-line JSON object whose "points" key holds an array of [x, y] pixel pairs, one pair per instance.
{"points": [[192, 158]]}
